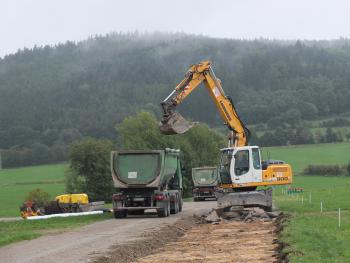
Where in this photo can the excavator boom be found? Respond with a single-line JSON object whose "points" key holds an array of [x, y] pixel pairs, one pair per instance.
{"points": [[173, 123]]}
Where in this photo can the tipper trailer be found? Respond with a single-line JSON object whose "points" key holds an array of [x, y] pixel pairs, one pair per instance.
{"points": [[146, 179], [205, 181]]}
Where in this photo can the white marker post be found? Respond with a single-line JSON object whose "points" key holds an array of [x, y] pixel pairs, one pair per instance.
{"points": [[302, 199], [339, 217], [310, 197], [321, 207]]}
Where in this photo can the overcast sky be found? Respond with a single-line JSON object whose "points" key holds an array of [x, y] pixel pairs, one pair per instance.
{"points": [[24, 23]]}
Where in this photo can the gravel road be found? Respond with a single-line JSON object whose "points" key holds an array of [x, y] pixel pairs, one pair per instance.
{"points": [[85, 243]]}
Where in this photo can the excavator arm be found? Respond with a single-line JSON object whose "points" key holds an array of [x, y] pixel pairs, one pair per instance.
{"points": [[173, 123]]}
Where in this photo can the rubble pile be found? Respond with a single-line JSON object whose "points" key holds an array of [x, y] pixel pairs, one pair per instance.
{"points": [[214, 216]]}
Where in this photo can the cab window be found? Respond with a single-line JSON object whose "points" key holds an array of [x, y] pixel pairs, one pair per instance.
{"points": [[256, 158], [242, 162], [224, 169]]}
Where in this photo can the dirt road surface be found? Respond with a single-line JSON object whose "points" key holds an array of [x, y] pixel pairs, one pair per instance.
{"points": [[85, 243], [222, 243]]}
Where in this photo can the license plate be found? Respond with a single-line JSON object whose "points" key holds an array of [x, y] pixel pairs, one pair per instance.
{"points": [[139, 199]]}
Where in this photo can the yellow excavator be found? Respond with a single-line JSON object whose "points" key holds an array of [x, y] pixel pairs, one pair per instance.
{"points": [[241, 169]]}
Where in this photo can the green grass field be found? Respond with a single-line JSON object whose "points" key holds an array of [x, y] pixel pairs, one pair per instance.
{"points": [[312, 235], [302, 155], [17, 183]]}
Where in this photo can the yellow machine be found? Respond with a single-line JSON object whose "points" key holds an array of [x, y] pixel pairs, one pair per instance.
{"points": [[241, 169], [82, 199], [69, 203], [29, 209]]}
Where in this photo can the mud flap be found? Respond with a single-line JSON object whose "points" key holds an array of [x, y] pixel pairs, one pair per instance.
{"points": [[261, 198]]}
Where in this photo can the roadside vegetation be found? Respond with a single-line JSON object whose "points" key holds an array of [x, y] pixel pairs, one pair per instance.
{"points": [[25, 230]]}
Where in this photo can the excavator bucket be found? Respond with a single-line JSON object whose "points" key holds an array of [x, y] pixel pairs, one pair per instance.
{"points": [[174, 124]]}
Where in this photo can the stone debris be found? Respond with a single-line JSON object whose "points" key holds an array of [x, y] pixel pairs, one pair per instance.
{"points": [[212, 217], [250, 214], [202, 213]]}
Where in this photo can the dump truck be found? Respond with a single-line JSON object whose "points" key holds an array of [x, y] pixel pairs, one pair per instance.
{"points": [[205, 181], [146, 179]]}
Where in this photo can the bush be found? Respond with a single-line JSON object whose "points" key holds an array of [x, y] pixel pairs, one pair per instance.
{"points": [[39, 197], [338, 122], [90, 169], [325, 170]]}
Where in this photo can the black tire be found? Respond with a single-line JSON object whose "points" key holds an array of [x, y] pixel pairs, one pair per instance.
{"points": [[163, 212], [176, 206], [180, 204], [120, 214]]}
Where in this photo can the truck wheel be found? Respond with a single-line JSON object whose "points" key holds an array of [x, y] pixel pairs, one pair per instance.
{"points": [[176, 206], [180, 204], [195, 199], [162, 212], [120, 214]]}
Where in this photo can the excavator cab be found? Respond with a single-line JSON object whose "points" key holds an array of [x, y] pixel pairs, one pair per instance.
{"points": [[240, 165]]}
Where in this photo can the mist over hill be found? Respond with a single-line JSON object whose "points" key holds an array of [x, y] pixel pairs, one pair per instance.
{"points": [[53, 95]]}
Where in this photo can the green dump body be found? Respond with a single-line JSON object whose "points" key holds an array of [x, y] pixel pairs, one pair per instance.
{"points": [[205, 176], [146, 169]]}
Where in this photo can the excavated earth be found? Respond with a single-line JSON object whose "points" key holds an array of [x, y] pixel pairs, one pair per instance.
{"points": [[224, 242], [246, 235]]}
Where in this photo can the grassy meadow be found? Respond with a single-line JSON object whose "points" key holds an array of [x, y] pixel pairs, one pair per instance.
{"points": [[299, 156], [312, 235], [18, 182]]}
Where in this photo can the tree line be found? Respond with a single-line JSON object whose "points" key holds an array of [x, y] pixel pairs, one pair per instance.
{"points": [[54, 95]]}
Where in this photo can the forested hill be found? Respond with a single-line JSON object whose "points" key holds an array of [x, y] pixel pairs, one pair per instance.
{"points": [[50, 96]]}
